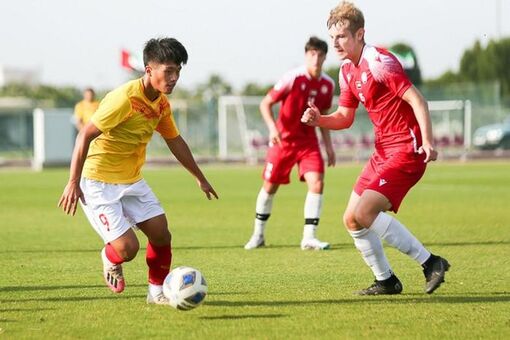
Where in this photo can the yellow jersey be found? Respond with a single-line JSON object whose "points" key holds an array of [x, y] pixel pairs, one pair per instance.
{"points": [[127, 120], [83, 110]]}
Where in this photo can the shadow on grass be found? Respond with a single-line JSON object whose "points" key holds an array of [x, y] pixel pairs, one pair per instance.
{"points": [[6, 310], [197, 247], [228, 293], [43, 288], [267, 247], [75, 298], [497, 297], [467, 243], [246, 316]]}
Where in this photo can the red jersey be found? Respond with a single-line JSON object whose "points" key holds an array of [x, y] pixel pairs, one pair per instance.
{"points": [[379, 82], [294, 90]]}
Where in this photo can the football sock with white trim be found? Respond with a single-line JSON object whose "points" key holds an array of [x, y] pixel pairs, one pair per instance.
{"points": [[263, 209], [312, 213], [398, 236], [370, 247]]}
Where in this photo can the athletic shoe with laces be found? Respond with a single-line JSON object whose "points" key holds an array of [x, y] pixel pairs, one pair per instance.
{"points": [[313, 244], [256, 241], [390, 286], [159, 299], [112, 274], [434, 270]]}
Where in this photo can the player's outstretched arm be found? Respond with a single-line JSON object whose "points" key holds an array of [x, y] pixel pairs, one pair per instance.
{"points": [[421, 111], [342, 118], [183, 154], [72, 192], [266, 110]]}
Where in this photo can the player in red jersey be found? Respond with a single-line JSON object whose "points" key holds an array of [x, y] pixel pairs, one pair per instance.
{"points": [[292, 142], [403, 147]]}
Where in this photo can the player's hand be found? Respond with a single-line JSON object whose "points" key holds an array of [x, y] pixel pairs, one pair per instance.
{"points": [[69, 199], [275, 137], [331, 156], [311, 115], [430, 153], [208, 190]]}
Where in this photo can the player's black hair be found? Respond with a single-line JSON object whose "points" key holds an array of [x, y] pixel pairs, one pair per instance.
{"points": [[315, 43], [90, 89], [164, 50]]}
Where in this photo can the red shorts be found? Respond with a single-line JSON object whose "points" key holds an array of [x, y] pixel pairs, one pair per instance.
{"points": [[393, 175], [281, 159]]}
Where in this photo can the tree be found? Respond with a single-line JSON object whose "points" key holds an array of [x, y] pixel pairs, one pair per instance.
{"points": [[215, 87], [333, 72], [56, 96], [254, 89], [405, 54], [488, 64], [482, 65]]}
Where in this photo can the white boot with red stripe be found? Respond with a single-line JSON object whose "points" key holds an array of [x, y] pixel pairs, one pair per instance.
{"points": [[112, 274]]}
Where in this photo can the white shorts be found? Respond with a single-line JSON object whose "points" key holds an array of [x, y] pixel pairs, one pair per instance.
{"points": [[114, 208]]}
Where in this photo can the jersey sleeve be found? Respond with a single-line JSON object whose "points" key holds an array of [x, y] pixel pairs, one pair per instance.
{"points": [[346, 98], [112, 111], [167, 127], [387, 69], [282, 87]]}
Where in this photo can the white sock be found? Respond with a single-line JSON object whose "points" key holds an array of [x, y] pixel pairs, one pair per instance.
{"points": [[263, 209], [106, 262], [155, 290], [370, 247], [398, 236], [312, 212]]}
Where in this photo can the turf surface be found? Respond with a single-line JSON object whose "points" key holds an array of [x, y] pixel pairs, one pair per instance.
{"points": [[51, 284]]}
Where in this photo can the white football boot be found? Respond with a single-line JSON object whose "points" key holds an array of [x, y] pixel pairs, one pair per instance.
{"points": [[112, 274], [256, 241], [313, 244], [159, 299]]}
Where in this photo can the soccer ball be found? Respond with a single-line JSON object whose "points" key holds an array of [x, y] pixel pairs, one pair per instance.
{"points": [[185, 288]]}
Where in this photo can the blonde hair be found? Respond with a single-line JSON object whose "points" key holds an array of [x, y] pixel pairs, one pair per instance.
{"points": [[347, 14]]}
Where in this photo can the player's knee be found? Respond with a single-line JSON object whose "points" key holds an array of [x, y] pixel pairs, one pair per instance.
{"points": [[162, 238], [316, 186], [129, 250], [350, 222], [364, 216]]}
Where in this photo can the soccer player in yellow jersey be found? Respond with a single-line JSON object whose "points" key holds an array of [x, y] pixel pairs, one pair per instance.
{"points": [[84, 109], [107, 159]]}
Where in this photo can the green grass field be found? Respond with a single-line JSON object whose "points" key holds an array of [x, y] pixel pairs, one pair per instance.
{"points": [[51, 284]]}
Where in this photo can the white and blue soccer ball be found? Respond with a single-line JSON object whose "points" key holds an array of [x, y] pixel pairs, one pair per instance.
{"points": [[185, 288]]}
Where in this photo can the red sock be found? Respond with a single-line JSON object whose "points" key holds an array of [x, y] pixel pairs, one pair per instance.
{"points": [[158, 259], [112, 255]]}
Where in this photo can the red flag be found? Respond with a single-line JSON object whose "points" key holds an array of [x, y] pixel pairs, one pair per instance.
{"points": [[130, 62]]}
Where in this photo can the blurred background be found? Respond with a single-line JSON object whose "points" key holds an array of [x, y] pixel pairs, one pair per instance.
{"points": [[456, 52]]}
